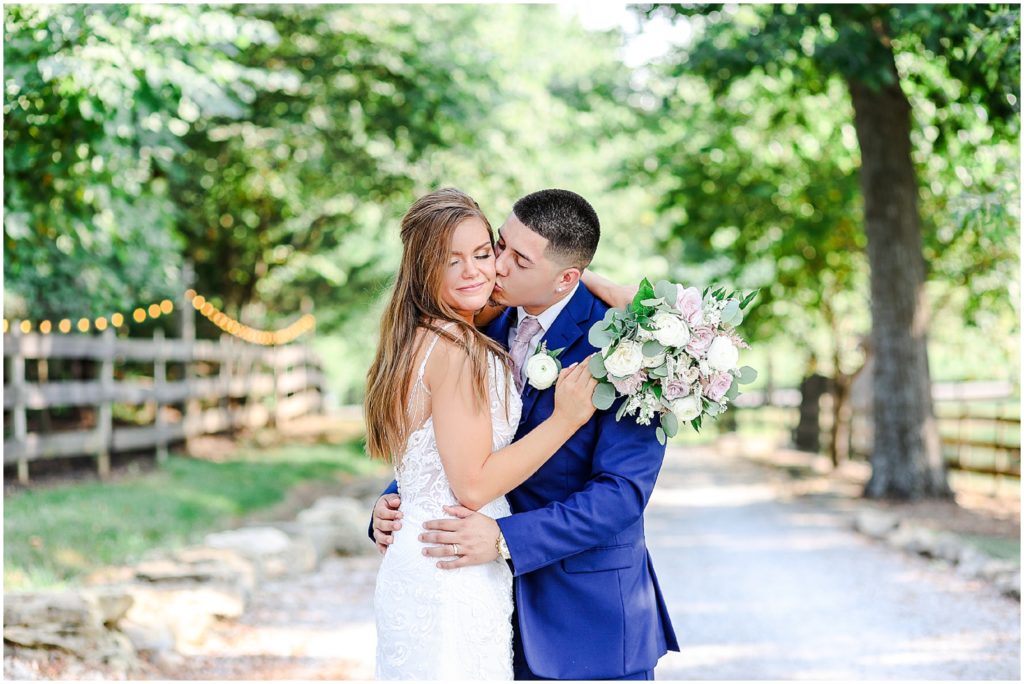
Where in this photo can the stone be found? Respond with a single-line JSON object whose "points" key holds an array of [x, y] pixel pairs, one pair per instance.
{"points": [[1008, 583], [63, 620], [163, 617], [273, 552], [200, 565], [111, 603], [875, 524], [322, 538], [971, 561], [349, 517], [993, 569]]}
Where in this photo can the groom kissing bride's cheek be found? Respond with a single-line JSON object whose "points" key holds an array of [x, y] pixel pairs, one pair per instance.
{"points": [[516, 547]]}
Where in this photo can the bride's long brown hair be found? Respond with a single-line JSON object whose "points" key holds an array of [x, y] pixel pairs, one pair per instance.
{"points": [[415, 302]]}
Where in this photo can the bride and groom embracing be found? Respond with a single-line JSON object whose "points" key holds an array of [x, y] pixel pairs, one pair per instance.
{"points": [[515, 503]]}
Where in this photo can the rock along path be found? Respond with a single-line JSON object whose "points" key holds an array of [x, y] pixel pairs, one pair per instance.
{"points": [[760, 586]]}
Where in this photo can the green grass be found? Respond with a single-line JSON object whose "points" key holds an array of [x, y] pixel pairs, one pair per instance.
{"points": [[55, 535], [997, 547]]}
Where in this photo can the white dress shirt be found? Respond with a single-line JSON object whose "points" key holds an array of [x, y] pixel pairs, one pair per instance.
{"points": [[546, 318]]}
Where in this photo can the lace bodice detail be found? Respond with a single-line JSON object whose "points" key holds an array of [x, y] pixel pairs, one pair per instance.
{"points": [[422, 482]]}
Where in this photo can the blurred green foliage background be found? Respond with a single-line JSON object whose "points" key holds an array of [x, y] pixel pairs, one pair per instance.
{"points": [[277, 146]]}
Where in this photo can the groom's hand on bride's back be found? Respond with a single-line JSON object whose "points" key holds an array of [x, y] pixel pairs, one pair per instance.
{"points": [[386, 519], [474, 533]]}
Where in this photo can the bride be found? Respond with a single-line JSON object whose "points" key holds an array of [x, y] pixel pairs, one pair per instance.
{"points": [[441, 407]]}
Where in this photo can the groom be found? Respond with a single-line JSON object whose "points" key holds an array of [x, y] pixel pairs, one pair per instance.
{"points": [[588, 605]]}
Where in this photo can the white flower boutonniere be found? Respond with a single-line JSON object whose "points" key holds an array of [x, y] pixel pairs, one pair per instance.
{"points": [[543, 367]]}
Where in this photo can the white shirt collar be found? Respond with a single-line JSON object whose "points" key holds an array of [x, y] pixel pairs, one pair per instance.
{"points": [[547, 317]]}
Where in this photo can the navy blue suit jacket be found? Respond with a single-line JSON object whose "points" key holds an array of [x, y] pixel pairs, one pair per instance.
{"points": [[587, 598]]}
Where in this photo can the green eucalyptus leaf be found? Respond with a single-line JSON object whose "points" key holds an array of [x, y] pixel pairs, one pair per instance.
{"points": [[604, 396], [653, 348], [667, 291], [669, 423], [599, 337]]}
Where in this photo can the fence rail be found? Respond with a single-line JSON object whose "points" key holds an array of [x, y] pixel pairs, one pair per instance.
{"points": [[253, 386], [996, 454]]}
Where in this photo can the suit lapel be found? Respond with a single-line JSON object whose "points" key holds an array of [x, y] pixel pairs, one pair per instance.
{"points": [[498, 329], [564, 332]]}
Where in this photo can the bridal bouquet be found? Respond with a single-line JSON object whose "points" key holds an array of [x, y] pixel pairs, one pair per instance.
{"points": [[673, 353]]}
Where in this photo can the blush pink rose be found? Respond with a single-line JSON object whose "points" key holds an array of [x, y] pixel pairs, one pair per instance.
{"points": [[688, 301], [701, 338], [629, 385], [676, 389], [719, 385]]}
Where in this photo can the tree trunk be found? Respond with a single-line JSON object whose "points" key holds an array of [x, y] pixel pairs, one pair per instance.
{"points": [[839, 435], [807, 435], [906, 461]]}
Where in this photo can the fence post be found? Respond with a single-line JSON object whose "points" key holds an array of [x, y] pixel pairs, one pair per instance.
{"points": [[224, 378], [275, 361], [18, 413], [105, 418], [188, 336], [159, 385]]}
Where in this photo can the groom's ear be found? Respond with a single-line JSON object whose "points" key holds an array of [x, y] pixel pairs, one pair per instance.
{"points": [[568, 279]]}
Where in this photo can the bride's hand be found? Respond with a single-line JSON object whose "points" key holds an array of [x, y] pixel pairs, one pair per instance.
{"points": [[574, 394]]}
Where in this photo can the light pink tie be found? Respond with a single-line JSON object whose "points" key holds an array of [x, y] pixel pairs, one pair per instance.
{"points": [[528, 327]]}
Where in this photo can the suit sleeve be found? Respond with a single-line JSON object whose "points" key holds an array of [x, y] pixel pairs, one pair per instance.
{"points": [[627, 460], [390, 489]]}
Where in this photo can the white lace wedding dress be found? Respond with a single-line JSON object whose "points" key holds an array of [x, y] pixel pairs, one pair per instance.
{"points": [[444, 624]]}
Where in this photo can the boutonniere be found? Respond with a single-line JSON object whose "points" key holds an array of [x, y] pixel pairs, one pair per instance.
{"points": [[543, 367]]}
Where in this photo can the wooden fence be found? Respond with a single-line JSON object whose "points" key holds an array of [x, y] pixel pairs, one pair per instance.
{"points": [[979, 423], [251, 386]]}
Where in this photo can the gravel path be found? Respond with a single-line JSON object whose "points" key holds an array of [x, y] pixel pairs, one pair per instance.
{"points": [[760, 587], [763, 588]]}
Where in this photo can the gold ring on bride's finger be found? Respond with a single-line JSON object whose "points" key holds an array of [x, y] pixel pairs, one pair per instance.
{"points": [[455, 549]]}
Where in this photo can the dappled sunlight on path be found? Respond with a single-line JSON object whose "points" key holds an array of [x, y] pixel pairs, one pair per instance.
{"points": [[761, 586]]}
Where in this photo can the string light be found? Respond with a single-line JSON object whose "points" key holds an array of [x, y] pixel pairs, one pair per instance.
{"points": [[231, 326], [238, 329]]}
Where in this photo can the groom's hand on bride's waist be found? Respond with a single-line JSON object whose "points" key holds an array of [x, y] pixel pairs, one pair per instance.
{"points": [[470, 536], [386, 519]]}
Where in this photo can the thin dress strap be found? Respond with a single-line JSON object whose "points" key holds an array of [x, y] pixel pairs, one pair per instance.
{"points": [[423, 364]]}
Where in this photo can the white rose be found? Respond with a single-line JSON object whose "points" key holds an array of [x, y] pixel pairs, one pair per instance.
{"points": [[670, 330], [626, 360], [723, 354], [541, 371], [691, 374], [686, 408]]}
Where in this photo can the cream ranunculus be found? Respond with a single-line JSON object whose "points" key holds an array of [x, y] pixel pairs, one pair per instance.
{"points": [[723, 354], [687, 408], [541, 371], [654, 361], [670, 330], [626, 360]]}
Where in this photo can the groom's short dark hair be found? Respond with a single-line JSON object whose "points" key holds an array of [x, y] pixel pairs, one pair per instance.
{"points": [[565, 220]]}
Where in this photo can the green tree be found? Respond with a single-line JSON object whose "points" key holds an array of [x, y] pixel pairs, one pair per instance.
{"points": [[98, 98], [878, 53]]}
